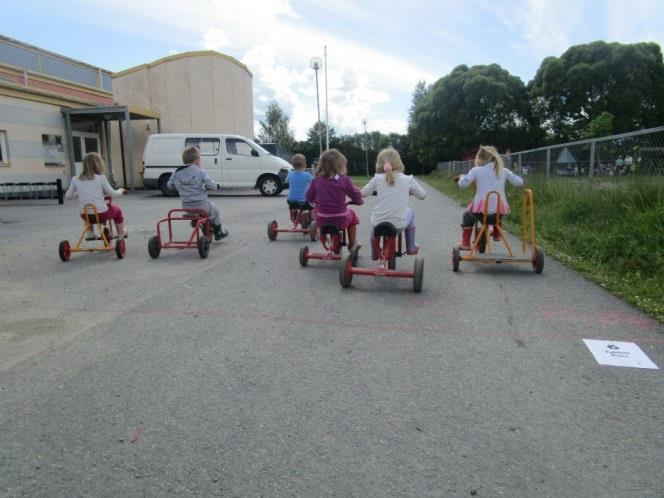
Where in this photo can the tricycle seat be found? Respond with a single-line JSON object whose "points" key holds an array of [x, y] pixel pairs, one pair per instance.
{"points": [[385, 230], [329, 229]]}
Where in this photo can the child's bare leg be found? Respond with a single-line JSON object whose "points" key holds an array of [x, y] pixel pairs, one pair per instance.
{"points": [[352, 233]]}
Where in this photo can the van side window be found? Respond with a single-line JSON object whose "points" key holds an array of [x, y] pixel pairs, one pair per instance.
{"points": [[238, 147], [207, 146]]}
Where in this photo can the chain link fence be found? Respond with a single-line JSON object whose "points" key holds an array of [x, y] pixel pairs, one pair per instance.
{"points": [[637, 153]]}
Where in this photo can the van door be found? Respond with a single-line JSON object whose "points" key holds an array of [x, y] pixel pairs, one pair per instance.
{"points": [[210, 155], [243, 163]]}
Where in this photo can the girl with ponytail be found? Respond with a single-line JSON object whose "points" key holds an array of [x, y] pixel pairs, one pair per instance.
{"points": [[488, 175], [392, 188]]}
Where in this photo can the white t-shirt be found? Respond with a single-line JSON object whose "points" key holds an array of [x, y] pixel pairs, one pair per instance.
{"points": [[392, 202], [91, 192], [486, 181]]}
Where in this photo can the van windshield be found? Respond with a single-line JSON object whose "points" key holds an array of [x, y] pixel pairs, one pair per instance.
{"points": [[255, 145]]}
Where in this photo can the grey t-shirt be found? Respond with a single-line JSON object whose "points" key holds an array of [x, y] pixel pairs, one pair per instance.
{"points": [[192, 183]]}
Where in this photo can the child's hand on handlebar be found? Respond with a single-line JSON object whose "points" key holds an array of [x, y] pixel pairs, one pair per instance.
{"points": [[123, 190], [457, 178]]}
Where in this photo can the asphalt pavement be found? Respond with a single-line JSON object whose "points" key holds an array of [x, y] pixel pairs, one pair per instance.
{"points": [[245, 374]]}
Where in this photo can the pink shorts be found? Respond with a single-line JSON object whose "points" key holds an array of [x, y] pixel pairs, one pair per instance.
{"points": [[349, 220], [112, 213]]}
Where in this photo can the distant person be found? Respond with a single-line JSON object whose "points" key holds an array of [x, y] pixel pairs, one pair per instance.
{"points": [[298, 182], [489, 174], [90, 187], [393, 189], [328, 191], [619, 164], [630, 167], [192, 183]]}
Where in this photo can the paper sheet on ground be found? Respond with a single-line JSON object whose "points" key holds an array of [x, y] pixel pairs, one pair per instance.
{"points": [[619, 354]]}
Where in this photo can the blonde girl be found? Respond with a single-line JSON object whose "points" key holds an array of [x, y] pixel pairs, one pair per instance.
{"points": [[393, 189], [489, 174], [329, 190], [90, 187]]}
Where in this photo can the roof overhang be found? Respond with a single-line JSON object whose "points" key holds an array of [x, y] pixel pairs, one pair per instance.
{"points": [[109, 113]]}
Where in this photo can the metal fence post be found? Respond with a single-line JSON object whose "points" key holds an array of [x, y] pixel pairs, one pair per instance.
{"points": [[58, 185], [548, 162], [591, 166]]}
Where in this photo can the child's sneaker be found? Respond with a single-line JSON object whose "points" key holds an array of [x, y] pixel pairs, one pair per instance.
{"points": [[219, 233], [413, 251]]}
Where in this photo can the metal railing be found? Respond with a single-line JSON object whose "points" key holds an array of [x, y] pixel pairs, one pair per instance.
{"points": [[627, 154]]}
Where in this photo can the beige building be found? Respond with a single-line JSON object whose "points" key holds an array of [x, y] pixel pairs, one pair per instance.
{"points": [[54, 109], [206, 92]]}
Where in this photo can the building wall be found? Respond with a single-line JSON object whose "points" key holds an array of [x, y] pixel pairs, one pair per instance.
{"points": [[24, 122], [201, 92]]}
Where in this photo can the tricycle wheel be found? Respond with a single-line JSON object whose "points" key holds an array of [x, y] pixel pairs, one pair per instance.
{"points": [[481, 246], [108, 235], [418, 270], [345, 275], [203, 246], [538, 260], [154, 247], [355, 253], [64, 250], [304, 255], [272, 230], [120, 248], [313, 231], [456, 258]]}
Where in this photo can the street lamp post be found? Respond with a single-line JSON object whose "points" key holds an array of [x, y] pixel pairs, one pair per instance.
{"points": [[366, 145], [327, 117], [315, 64]]}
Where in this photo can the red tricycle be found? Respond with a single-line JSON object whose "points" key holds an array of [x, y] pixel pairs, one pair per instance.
{"points": [[388, 247], [200, 237], [104, 232], [332, 238], [300, 217]]}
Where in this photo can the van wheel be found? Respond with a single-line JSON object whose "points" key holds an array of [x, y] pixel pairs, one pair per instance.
{"points": [[269, 185], [163, 186]]}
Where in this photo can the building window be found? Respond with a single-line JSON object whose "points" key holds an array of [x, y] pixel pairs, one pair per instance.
{"points": [[207, 146], [54, 152], [4, 155], [238, 147]]}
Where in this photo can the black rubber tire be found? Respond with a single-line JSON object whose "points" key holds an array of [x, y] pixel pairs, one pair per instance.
{"points": [[154, 247], [538, 260], [120, 248], [418, 278], [304, 256], [272, 230], [313, 231], [456, 258], [64, 250], [392, 263], [481, 247], [269, 186], [355, 253], [107, 234], [163, 186], [203, 246], [345, 276]]}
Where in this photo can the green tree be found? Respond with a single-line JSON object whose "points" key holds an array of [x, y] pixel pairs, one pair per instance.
{"points": [[570, 91], [275, 127], [601, 126], [469, 107], [421, 89]]}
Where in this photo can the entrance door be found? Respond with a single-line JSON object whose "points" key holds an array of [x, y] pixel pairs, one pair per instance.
{"points": [[243, 163], [210, 155], [84, 142]]}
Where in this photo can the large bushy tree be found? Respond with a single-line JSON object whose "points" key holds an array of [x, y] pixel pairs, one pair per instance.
{"points": [[571, 91], [275, 127], [469, 107]]}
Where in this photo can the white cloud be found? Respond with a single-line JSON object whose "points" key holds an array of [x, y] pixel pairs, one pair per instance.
{"points": [[215, 39]]}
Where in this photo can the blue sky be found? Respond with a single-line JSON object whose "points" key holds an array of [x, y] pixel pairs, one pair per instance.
{"points": [[377, 50]]}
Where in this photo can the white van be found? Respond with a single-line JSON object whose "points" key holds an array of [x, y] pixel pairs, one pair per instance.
{"points": [[231, 160]]}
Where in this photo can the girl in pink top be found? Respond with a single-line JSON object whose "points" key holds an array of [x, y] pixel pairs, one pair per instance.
{"points": [[329, 190], [488, 175]]}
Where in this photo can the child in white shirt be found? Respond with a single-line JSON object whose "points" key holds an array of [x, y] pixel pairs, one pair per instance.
{"points": [[489, 174], [393, 188], [91, 187]]}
